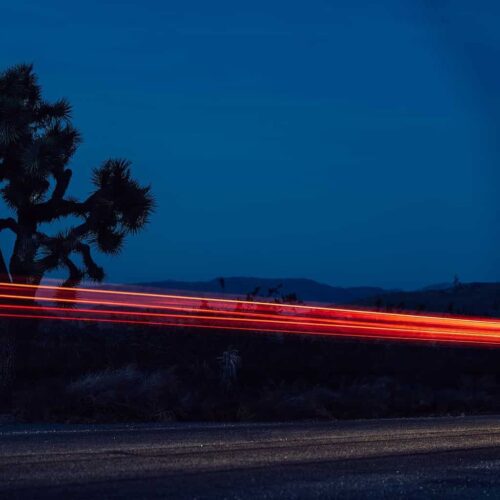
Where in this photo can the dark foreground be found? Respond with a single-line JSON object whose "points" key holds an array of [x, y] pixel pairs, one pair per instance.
{"points": [[414, 458]]}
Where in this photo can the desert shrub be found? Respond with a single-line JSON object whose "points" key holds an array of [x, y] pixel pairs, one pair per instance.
{"points": [[205, 395], [45, 400], [108, 396], [95, 375], [372, 397], [124, 394], [290, 403], [6, 368]]}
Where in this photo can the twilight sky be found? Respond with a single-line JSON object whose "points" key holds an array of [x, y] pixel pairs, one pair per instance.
{"points": [[353, 142]]}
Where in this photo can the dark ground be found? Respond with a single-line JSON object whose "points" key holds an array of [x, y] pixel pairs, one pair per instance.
{"points": [[410, 458]]}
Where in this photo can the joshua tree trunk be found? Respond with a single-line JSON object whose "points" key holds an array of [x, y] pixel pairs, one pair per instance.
{"points": [[6, 348], [4, 272], [15, 336]]}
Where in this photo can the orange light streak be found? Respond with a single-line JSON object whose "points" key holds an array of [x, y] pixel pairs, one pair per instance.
{"points": [[258, 324], [232, 314], [271, 305]]}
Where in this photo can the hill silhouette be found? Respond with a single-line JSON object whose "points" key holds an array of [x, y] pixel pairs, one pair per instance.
{"points": [[305, 289], [473, 299], [470, 299]]}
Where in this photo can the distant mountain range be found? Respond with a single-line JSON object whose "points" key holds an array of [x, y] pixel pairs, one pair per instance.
{"points": [[481, 299], [305, 289]]}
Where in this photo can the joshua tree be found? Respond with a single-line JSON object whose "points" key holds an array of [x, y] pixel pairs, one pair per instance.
{"points": [[37, 143]]}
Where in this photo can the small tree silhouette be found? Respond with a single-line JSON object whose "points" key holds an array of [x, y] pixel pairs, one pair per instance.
{"points": [[37, 142], [222, 282]]}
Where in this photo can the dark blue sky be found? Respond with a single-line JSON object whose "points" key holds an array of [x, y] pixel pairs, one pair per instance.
{"points": [[353, 142]]}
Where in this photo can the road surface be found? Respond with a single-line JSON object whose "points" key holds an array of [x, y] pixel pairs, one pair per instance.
{"points": [[412, 458]]}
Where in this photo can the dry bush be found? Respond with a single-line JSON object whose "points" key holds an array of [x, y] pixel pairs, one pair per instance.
{"points": [[290, 403], [124, 394], [6, 363]]}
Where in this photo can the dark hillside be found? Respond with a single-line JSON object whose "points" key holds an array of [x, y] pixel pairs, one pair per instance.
{"points": [[470, 299]]}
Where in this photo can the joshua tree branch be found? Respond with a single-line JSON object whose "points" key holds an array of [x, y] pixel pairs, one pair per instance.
{"points": [[75, 274], [62, 183], [9, 223], [58, 206], [54, 209], [47, 263], [94, 271], [79, 231]]}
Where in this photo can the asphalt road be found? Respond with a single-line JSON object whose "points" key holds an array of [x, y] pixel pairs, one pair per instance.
{"points": [[413, 458]]}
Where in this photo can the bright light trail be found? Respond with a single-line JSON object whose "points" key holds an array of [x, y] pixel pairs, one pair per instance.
{"points": [[272, 306], [181, 311], [215, 320]]}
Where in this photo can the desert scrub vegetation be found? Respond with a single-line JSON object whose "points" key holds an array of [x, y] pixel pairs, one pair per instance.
{"points": [[82, 373], [130, 394], [124, 394]]}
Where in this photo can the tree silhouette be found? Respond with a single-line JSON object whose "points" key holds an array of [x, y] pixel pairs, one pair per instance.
{"points": [[37, 143]]}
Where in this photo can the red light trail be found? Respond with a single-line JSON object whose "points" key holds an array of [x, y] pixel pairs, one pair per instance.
{"points": [[126, 307]]}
